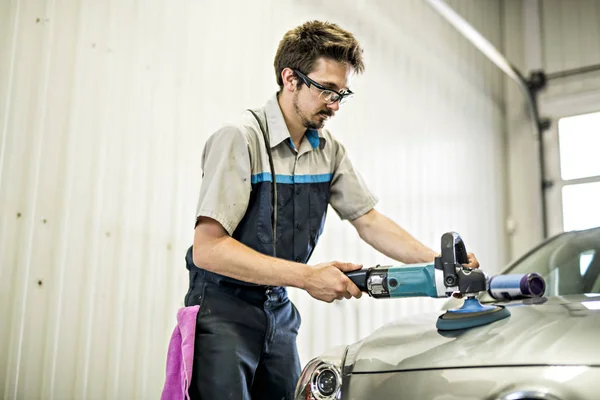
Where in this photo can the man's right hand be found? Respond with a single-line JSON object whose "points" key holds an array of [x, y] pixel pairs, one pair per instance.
{"points": [[327, 281]]}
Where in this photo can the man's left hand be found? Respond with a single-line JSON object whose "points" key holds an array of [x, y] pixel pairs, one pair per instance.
{"points": [[472, 264], [472, 261]]}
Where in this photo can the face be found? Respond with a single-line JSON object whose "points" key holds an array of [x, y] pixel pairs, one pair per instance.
{"points": [[312, 111]]}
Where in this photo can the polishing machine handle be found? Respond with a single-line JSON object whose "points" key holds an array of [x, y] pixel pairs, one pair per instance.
{"points": [[359, 277]]}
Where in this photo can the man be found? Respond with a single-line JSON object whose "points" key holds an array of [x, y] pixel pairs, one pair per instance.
{"points": [[246, 329]]}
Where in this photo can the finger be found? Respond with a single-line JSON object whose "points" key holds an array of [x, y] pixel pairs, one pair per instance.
{"points": [[472, 261], [346, 267], [342, 292], [353, 290]]}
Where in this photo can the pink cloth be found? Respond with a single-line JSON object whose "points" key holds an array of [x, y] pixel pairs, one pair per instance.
{"points": [[180, 357]]}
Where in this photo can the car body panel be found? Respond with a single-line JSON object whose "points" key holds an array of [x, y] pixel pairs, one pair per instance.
{"points": [[547, 349], [561, 330], [544, 383]]}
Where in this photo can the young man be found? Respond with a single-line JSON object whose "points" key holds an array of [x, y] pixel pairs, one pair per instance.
{"points": [[246, 329]]}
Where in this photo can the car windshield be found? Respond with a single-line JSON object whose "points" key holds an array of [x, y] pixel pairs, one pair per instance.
{"points": [[569, 263]]}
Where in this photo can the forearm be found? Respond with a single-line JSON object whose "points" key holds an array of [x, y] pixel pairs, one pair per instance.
{"points": [[229, 257], [390, 239]]}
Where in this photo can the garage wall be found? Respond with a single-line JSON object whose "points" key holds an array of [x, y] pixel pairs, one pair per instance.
{"points": [[524, 211], [553, 36], [104, 109], [571, 40], [570, 33]]}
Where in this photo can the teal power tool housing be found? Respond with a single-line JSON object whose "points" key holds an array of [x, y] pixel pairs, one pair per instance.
{"points": [[444, 277]]}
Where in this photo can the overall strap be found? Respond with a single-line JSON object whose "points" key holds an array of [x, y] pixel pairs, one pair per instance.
{"points": [[274, 199]]}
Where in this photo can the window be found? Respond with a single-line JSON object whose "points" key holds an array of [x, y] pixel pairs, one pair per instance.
{"points": [[570, 263], [581, 206], [579, 144], [579, 149]]}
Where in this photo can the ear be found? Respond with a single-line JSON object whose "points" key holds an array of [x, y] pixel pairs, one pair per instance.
{"points": [[290, 80]]}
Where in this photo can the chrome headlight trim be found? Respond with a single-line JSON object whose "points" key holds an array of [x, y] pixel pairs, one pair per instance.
{"points": [[303, 385], [307, 386], [315, 387], [528, 395]]}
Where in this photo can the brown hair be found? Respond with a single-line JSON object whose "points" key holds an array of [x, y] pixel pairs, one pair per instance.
{"points": [[302, 46]]}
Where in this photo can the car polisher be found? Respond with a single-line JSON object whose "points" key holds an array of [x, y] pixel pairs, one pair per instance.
{"points": [[446, 276]]}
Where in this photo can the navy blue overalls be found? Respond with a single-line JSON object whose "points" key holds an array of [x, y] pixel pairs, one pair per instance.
{"points": [[245, 343]]}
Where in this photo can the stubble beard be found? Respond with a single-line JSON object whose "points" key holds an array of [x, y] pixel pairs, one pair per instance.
{"points": [[307, 123]]}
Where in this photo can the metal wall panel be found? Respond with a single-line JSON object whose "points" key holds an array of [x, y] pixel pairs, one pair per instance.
{"points": [[570, 40], [104, 109], [524, 200], [554, 36]]}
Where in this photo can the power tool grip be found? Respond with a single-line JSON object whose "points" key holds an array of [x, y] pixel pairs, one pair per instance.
{"points": [[359, 278], [454, 253]]}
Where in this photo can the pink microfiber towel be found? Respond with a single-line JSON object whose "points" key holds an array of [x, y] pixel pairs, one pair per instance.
{"points": [[180, 357]]}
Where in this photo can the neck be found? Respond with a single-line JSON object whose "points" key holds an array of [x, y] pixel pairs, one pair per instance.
{"points": [[292, 120]]}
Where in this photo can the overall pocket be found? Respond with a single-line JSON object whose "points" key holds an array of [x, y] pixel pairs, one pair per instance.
{"points": [[195, 294]]}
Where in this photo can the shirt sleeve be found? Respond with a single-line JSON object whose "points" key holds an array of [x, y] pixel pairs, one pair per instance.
{"points": [[350, 197], [226, 178]]}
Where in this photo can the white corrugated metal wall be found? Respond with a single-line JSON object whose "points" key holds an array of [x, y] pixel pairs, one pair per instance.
{"points": [[553, 36], [570, 40], [104, 109], [524, 212]]}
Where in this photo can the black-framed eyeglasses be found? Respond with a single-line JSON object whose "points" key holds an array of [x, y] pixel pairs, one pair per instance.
{"points": [[328, 96]]}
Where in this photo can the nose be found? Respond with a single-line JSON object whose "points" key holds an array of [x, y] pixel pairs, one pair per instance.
{"points": [[334, 106]]}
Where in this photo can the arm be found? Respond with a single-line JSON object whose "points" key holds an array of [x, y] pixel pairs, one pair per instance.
{"points": [[390, 239], [216, 251], [352, 200], [223, 201]]}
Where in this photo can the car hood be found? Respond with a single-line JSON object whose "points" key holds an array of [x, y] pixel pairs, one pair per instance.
{"points": [[559, 330]]}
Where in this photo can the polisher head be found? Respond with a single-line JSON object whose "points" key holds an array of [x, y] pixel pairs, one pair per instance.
{"points": [[470, 315]]}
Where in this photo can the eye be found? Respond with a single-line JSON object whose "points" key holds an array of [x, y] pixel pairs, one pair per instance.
{"points": [[328, 95]]}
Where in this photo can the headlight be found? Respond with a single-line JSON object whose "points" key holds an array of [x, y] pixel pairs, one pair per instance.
{"points": [[321, 379], [325, 382]]}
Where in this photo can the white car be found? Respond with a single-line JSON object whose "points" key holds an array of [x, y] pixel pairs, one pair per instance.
{"points": [[548, 349]]}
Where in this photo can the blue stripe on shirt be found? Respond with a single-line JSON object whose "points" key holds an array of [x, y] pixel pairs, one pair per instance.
{"points": [[313, 138], [291, 179]]}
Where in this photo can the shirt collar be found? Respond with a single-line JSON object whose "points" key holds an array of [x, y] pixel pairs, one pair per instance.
{"points": [[278, 131]]}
